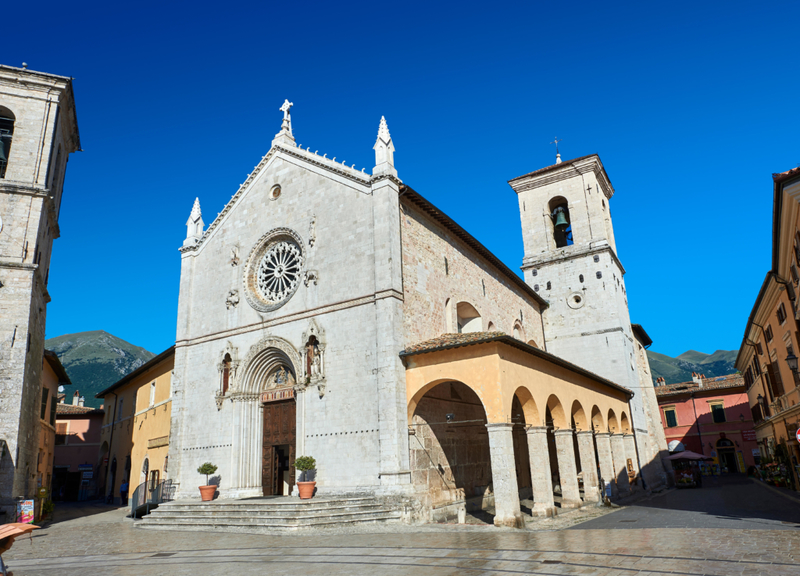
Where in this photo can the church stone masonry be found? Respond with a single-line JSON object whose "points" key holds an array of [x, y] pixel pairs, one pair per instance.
{"points": [[38, 131], [311, 319]]}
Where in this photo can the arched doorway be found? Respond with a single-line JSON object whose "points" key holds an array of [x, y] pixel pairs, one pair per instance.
{"points": [[264, 440], [450, 458], [727, 455]]}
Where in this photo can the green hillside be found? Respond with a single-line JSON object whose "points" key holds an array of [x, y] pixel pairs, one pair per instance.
{"points": [[680, 369], [95, 360]]}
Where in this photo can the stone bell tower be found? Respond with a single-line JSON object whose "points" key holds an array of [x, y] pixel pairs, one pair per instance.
{"points": [[38, 132], [571, 261]]}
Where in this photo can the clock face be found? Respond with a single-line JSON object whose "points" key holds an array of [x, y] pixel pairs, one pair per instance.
{"points": [[273, 269]]}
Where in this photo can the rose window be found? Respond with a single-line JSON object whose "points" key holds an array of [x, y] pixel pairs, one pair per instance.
{"points": [[279, 271], [273, 270]]}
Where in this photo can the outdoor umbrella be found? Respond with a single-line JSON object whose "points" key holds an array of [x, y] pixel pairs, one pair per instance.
{"points": [[687, 455]]}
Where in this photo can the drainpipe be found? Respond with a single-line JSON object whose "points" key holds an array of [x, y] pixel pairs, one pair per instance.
{"points": [[111, 441]]}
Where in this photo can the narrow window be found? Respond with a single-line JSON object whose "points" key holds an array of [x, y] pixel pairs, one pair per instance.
{"points": [[484, 287], [43, 413], [119, 409], [53, 405], [226, 372], [581, 278], [6, 134], [718, 412], [599, 275], [795, 277], [152, 393], [549, 285], [768, 333], [759, 349], [781, 314], [670, 417], [446, 268]]}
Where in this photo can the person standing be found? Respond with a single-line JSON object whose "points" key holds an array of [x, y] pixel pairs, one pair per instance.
{"points": [[123, 492]]}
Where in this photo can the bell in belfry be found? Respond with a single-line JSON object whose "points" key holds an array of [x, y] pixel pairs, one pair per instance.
{"points": [[561, 218]]}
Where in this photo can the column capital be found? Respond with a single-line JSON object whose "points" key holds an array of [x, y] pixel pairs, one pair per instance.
{"points": [[564, 432], [603, 434], [585, 433], [499, 426], [536, 430]]}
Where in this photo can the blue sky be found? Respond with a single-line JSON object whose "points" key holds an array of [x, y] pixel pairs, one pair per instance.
{"points": [[691, 106]]}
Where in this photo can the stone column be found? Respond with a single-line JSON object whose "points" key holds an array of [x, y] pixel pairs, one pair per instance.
{"points": [[541, 479], [630, 452], [620, 465], [504, 476], [588, 466], [567, 471], [603, 440]]}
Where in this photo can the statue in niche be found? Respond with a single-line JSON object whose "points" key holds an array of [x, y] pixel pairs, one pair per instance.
{"points": [[312, 357], [234, 256], [313, 351]]}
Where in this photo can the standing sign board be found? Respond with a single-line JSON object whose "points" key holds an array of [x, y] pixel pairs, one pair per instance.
{"points": [[25, 511]]}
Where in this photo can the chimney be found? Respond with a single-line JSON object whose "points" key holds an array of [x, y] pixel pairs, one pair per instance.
{"points": [[75, 398], [80, 401]]}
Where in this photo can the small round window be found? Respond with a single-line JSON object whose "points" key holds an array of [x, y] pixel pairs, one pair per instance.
{"points": [[275, 192], [575, 300]]}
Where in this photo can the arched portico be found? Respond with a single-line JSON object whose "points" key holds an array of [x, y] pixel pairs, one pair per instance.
{"points": [[520, 389]]}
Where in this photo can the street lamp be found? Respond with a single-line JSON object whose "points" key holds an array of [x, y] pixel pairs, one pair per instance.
{"points": [[791, 360]]}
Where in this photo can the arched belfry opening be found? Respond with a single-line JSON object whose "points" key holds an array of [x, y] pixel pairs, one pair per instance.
{"points": [[562, 224], [265, 421], [7, 120]]}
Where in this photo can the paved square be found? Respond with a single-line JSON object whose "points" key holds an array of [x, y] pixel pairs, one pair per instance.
{"points": [[729, 527]]}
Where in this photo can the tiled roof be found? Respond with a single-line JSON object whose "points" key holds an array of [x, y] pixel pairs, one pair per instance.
{"points": [[449, 341], [786, 175], [717, 383], [71, 410], [554, 166]]}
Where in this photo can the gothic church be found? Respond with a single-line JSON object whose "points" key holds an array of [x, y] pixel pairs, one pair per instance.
{"points": [[338, 314]]}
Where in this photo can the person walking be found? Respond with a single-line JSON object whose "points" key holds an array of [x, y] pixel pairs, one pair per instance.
{"points": [[123, 492]]}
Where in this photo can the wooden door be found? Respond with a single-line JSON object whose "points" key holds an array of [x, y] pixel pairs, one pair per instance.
{"points": [[279, 430]]}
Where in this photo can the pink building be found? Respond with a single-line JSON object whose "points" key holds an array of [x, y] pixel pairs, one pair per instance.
{"points": [[77, 452], [710, 416]]}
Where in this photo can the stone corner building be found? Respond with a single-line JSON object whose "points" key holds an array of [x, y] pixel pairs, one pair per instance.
{"points": [[338, 314], [38, 131]]}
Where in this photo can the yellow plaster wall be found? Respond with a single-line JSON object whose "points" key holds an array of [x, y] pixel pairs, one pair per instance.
{"points": [[139, 423]]}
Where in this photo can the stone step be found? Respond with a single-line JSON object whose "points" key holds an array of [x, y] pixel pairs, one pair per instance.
{"points": [[265, 528], [276, 521], [261, 511], [287, 502]]}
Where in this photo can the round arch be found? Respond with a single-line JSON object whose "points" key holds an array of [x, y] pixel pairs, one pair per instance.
{"points": [[414, 402], [529, 409], [468, 318], [518, 331], [597, 419], [624, 425], [264, 358], [612, 422], [559, 419], [579, 420]]}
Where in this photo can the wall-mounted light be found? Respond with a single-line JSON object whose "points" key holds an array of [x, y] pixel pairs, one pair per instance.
{"points": [[450, 417], [741, 417], [791, 360]]}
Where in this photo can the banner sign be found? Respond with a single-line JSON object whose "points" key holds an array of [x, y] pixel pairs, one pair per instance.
{"points": [[279, 394], [749, 435]]}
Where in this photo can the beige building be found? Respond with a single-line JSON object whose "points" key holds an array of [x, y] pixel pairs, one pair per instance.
{"points": [[135, 434], [53, 376], [771, 343], [38, 132]]}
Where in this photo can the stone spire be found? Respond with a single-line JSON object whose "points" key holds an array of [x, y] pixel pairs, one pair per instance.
{"points": [[194, 225], [285, 135], [384, 151]]}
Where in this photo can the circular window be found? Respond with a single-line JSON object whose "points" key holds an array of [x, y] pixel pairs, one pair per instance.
{"points": [[275, 192], [273, 270], [575, 300]]}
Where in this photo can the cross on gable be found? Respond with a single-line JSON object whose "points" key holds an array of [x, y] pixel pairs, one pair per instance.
{"points": [[285, 108]]}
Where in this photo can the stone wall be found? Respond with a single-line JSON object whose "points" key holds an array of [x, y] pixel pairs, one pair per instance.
{"points": [[428, 284]]}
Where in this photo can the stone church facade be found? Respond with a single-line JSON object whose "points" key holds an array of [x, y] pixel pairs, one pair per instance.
{"points": [[310, 322], [38, 132]]}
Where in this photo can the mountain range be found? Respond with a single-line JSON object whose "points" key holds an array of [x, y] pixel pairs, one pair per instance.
{"points": [[95, 360], [680, 369]]}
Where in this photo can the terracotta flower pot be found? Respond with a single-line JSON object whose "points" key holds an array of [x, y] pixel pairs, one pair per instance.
{"points": [[207, 493], [306, 489]]}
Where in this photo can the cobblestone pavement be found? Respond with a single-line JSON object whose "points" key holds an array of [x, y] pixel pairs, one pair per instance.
{"points": [[108, 543]]}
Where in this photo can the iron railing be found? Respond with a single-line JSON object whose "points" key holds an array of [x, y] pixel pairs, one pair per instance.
{"points": [[146, 498]]}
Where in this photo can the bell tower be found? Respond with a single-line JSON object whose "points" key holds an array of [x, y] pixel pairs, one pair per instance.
{"points": [[38, 132], [571, 261]]}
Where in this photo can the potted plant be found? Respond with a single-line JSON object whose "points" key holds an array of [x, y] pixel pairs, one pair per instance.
{"points": [[207, 491], [304, 487]]}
